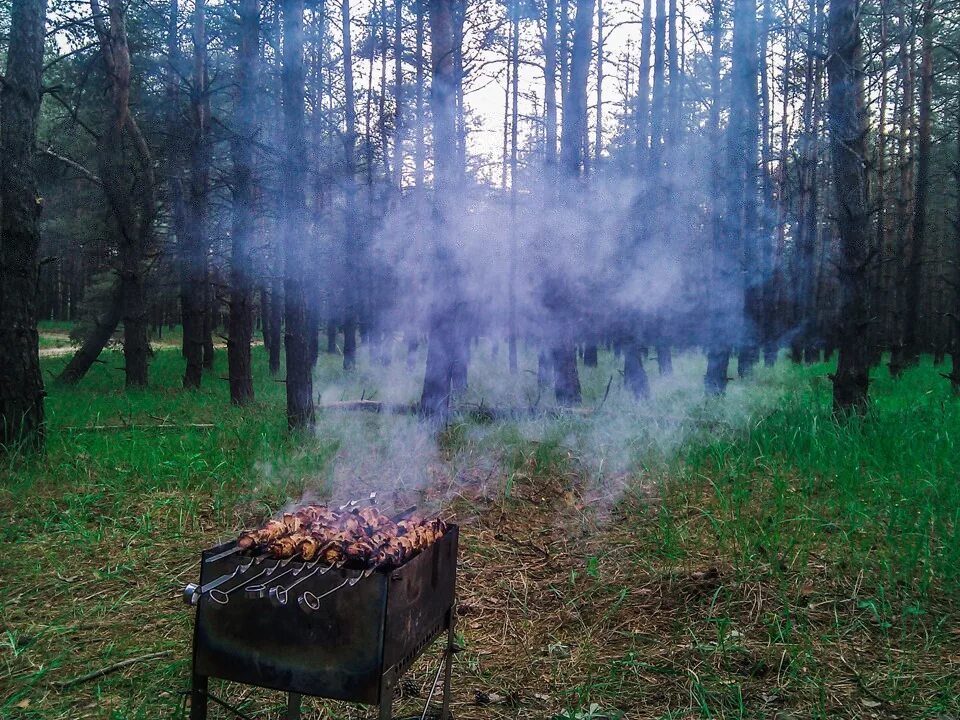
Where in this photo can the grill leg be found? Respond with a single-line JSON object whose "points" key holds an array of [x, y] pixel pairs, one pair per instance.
{"points": [[293, 706], [448, 667], [386, 697], [198, 698]]}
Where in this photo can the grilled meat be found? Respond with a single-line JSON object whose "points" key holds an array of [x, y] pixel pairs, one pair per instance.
{"points": [[363, 538]]}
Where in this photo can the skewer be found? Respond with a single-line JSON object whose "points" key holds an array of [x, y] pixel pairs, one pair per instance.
{"points": [[278, 594], [192, 591], [352, 503], [260, 590], [225, 553], [223, 597], [310, 602]]}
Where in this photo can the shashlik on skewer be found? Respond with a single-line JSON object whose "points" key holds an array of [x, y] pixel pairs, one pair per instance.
{"points": [[361, 538]]}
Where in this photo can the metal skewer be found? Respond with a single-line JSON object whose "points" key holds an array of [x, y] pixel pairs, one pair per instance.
{"points": [[260, 590], [310, 602], [278, 594], [225, 553], [223, 596]]}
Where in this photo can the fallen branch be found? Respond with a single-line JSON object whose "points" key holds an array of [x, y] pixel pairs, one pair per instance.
{"points": [[110, 668], [133, 426], [374, 406]]}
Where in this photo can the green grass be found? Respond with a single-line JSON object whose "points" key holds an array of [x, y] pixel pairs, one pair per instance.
{"points": [[739, 557]]}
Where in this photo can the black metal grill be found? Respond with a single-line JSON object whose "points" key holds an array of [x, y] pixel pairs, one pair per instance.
{"points": [[326, 632]]}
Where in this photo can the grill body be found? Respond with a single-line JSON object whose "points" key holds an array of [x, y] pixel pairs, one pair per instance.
{"points": [[354, 647]]}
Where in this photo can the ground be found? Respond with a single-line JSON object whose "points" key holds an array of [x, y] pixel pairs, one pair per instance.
{"points": [[683, 558]]}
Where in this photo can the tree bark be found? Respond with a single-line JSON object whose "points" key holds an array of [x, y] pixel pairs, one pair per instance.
{"points": [[514, 150], [122, 185], [398, 97], [300, 412], [21, 384], [643, 86], [445, 345], [912, 291], [194, 244], [550, 87], [240, 332], [563, 352], [746, 104], [351, 245], [634, 374], [848, 131]]}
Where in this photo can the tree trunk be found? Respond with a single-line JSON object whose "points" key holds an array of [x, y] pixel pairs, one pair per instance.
{"points": [[240, 332], [275, 345], [445, 347], [21, 384], [514, 129], [898, 358], [746, 104], [194, 244], [598, 126], [300, 413], [879, 304], [848, 131], [351, 249], [398, 98], [731, 243], [643, 86], [912, 291], [634, 374], [122, 184], [563, 353], [550, 87], [718, 356], [94, 343]]}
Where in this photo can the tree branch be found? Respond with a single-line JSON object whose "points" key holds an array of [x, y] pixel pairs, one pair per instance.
{"points": [[75, 165]]}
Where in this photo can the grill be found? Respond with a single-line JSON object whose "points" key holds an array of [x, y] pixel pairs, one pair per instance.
{"points": [[312, 629]]}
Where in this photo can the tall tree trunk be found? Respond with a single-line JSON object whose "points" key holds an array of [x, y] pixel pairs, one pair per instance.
{"points": [[765, 224], [805, 270], [514, 122], [398, 98], [240, 332], [351, 249], [747, 104], [275, 342], [21, 385], [550, 87], [848, 131], [122, 185], [878, 299], [731, 242], [718, 356], [459, 19], [563, 352], [912, 292], [420, 152], [598, 127], [643, 86], [658, 103], [300, 412], [194, 243], [175, 144], [563, 7], [898, 359], [445, 345]]}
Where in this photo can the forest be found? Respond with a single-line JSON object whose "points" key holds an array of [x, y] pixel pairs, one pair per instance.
{"points": [[651, 305]]}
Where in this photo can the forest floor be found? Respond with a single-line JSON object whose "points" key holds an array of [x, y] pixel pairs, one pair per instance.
{"points": [[685, 558]]}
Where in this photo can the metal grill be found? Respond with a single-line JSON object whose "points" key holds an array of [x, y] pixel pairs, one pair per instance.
{"points": [[310, 629]]}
